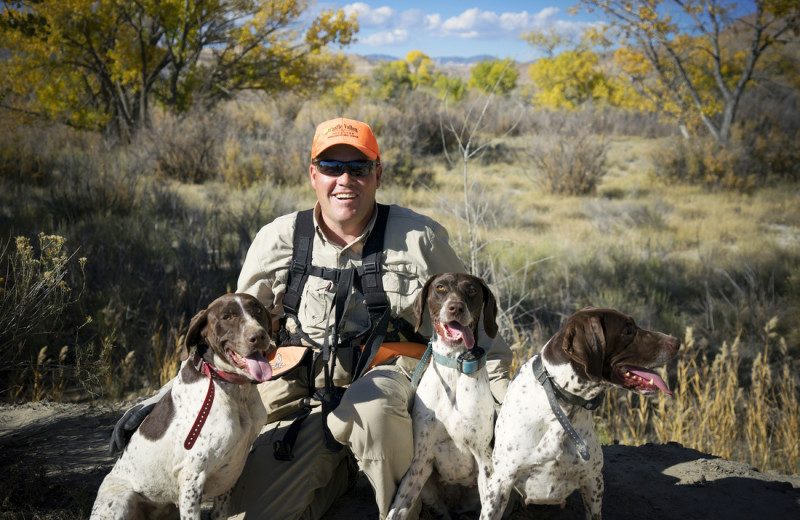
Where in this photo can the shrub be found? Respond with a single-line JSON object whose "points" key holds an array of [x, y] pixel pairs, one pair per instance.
{"points": [[705, 162], [184, 147], [569, 161], [34, 293], [241, 168], [758, 152]]}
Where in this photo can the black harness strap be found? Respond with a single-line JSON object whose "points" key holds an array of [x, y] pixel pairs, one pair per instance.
{"points": [[368, 279], [371, 281], [302, 246], [372, 288]]}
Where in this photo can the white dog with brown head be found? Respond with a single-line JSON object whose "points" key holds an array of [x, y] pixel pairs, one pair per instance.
{"points": [[195, 441]]}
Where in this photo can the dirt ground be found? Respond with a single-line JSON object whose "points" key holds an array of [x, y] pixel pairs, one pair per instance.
{"points": [[53, 457]]}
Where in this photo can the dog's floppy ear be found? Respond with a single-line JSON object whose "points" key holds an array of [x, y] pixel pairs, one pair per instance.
{"points": [[489, 310], [194, 336], [419, 303], [585, 343]]}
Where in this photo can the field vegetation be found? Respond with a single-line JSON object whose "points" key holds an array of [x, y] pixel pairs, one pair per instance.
{"points": [[111, 241]]}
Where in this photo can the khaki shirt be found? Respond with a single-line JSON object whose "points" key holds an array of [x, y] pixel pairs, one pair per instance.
{"points": [[415, 247]]}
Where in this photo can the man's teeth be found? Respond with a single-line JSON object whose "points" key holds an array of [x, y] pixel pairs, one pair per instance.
{"points": [[345, 196]]}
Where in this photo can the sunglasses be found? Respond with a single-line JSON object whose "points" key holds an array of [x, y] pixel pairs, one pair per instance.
{"points": [[336, 168]]}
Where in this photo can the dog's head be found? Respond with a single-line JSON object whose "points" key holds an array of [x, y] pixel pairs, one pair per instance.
{"points": [[455, 302], [605, 345], [237, 330]]}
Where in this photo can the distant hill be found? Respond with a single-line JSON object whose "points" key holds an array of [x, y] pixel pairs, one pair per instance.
{"points": [[440, 60], [452, 65]]}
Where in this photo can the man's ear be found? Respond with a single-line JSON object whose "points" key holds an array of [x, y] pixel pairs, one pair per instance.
{"points": [[585, 344], [312, 175], [378, 174]]}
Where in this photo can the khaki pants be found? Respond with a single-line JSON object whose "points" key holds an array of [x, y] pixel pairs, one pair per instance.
{"points": [[373, 423]]}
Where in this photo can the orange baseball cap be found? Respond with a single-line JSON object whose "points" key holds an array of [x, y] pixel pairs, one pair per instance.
{"points": [[345, 131]]}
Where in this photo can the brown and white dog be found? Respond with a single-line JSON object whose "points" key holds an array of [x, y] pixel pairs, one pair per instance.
{"points": [[535, 451], [453, 415], [195, 441]]}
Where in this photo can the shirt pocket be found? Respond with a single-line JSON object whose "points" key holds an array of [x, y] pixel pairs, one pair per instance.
{"points": [[315, 304], [402, 284]]}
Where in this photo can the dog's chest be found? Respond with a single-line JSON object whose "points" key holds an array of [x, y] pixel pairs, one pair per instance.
{"points": [[532, 444], [454, 413], [219, 453]]}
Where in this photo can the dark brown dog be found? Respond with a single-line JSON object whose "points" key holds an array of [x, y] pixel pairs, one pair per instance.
{"points": [[534, 450]]}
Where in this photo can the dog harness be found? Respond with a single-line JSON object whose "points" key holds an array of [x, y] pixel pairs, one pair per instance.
{"points": [[551, 388]]}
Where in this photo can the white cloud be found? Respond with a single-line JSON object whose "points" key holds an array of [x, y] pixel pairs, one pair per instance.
{"points": [[369, 17], [385, 25], [411, 18], [474, 23], [433, 21], [386, 38]]}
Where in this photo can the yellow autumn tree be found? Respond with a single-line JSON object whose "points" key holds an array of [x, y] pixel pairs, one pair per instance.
{"points": [[103, 63], [421, 68], [417, 71], [694, 58], [494, 75], [574, 76]]}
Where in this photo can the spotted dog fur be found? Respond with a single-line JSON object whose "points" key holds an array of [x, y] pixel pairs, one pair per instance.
{"points": [[595, 350], [156, 472], [453, 413]]}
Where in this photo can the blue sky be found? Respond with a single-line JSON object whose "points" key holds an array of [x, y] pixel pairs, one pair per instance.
{"points": [[480, 27], [395, 27]]}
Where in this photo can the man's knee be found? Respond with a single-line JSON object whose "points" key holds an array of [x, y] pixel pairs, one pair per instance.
{"points": [[374, 414]]}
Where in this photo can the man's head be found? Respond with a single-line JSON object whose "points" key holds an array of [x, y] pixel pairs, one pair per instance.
{"points": [[345, 172]]}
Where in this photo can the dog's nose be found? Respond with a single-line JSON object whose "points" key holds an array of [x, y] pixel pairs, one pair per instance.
{"points": [[257, 337], [455, 308], [673, 344]]}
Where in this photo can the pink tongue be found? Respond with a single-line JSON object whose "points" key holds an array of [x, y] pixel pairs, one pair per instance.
{"points": [[648, 375], [455, 330], [258, 367]]}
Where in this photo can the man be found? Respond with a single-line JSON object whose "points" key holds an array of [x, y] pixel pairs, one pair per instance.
{"points": [[302, 462]]}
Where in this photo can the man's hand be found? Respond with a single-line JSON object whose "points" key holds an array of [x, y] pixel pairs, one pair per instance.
{"points": [[128, 424]]}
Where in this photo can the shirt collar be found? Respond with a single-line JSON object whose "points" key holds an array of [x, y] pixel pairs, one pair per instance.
{"points": [[357, 244]]}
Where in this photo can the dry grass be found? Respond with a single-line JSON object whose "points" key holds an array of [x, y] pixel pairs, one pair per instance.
{"points": [[158, 249]]}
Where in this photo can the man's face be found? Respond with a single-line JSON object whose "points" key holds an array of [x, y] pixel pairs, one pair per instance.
{"points": [[346, 201]]}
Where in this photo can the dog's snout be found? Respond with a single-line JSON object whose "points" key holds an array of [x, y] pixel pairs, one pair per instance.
{"points": [[673, 344], [257, 336], [456, 308]]}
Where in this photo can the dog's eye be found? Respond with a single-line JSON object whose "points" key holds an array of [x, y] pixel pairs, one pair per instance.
{"points": [[226, 317], [441, 288], [629, 331]]}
